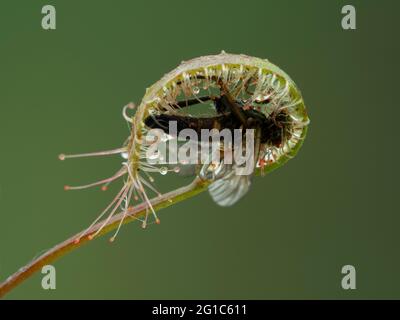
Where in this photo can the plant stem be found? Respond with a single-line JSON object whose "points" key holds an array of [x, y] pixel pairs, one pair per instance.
{"points": [[196, 187]]}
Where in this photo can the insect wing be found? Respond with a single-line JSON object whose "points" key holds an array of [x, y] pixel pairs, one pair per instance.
{"points": [[228, 186], [228, 190]]}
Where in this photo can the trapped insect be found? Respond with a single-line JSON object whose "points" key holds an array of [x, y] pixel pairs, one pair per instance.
{"points": [[240, 92]]}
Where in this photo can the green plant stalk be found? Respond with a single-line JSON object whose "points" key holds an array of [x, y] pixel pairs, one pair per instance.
{"points": [[166, 200], [158, 203]]}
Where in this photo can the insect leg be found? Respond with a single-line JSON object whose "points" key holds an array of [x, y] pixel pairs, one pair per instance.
{"points": [[233, 106], [187, 103]]}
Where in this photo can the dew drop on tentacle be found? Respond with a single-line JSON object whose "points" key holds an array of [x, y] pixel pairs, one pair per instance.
{"points": [[177, 169], [154, 156], [196, 90]]}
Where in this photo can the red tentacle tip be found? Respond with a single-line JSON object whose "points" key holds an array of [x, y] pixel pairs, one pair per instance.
{"points": [[66, 188], [77, 240], [104, 188], [61, 156], [158, 221], [111, 240]]}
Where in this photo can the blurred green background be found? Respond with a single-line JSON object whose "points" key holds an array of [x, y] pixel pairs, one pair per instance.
{"points": [[334, 204]]}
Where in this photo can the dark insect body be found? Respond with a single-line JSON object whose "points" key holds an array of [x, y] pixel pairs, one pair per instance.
{"points": [[230, 115]]}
